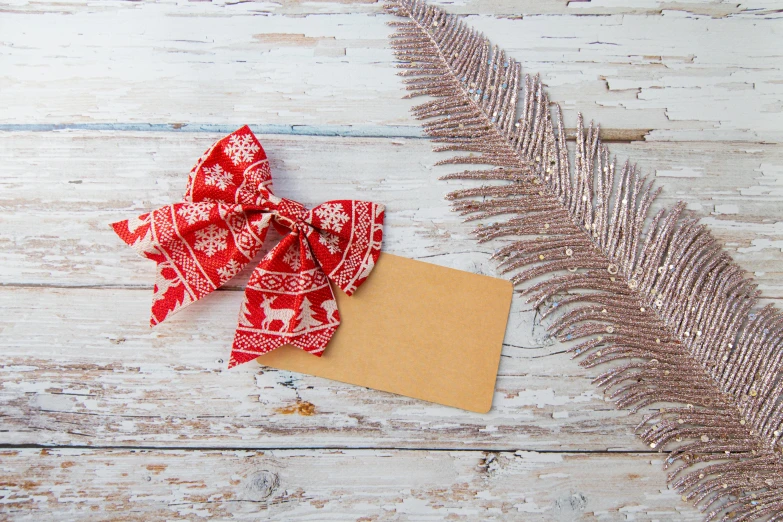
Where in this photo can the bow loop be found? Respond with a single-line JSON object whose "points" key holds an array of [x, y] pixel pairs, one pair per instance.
{"points": [[198, 247], [203, 242], [346, 238], [234, 170]]}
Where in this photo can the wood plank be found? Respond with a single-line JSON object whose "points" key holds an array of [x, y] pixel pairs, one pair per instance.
{"points": [[57, 203], [498, 8], [339, 485], [81, 366], [685, 75]]}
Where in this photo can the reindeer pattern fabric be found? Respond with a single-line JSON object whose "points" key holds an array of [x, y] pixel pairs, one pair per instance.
{"points": [[202, 242]]}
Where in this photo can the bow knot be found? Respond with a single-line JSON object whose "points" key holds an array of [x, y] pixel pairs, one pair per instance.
{"points": [[202, 242], [292, 215]]}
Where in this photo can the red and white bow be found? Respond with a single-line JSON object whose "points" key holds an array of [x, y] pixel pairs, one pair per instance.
{"points": [[202, 242]]}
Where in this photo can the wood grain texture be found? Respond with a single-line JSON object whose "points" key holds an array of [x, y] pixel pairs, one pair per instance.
{"points": [[107, 105], [310, 170], [86, 375], [662, 74], [77, 182], [339, 485]]}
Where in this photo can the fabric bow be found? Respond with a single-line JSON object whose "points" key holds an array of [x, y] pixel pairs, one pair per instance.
{"points": [[219, 227]]}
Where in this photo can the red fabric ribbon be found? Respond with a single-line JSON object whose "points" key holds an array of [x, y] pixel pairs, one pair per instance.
{"points": [[202, 242]]}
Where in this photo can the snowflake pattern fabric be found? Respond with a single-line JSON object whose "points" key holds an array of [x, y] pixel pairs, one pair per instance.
{"points": [[241, 148], [231, 269], [217, 177], [332, 216], [211, 240], [195, 213], [204, 241], [331, 242], [291, 258]]}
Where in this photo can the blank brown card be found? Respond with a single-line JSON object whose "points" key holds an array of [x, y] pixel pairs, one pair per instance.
{"points": [[416, 329]]}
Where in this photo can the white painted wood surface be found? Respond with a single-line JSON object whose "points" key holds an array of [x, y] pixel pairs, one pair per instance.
{"points": [[107, 105], [364, 485]]}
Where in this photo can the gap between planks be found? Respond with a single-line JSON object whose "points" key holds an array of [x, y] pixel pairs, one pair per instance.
{"points": [[358, 447], [335, 131]]}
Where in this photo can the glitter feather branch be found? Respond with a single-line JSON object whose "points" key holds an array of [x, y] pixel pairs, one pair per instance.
{"points": [[655, 295]]}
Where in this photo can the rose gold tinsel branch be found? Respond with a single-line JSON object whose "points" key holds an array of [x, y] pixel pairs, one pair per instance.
{"points": [[664, 301]]}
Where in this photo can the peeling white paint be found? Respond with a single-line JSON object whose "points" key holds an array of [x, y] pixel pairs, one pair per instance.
{"points": [[79, 372], [727, 209], [681, 172]]}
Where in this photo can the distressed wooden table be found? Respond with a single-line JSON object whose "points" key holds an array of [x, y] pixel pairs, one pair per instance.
{"points": [[105, 107]]}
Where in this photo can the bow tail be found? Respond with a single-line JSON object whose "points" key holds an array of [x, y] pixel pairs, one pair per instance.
{"points": [[288, 300], [197, 247]]}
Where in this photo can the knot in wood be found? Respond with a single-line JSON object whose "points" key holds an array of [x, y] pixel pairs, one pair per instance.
{"points": [[261, 484]]}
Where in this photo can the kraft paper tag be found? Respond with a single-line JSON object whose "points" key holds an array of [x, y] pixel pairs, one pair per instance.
{"points": [[416, 329]]}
